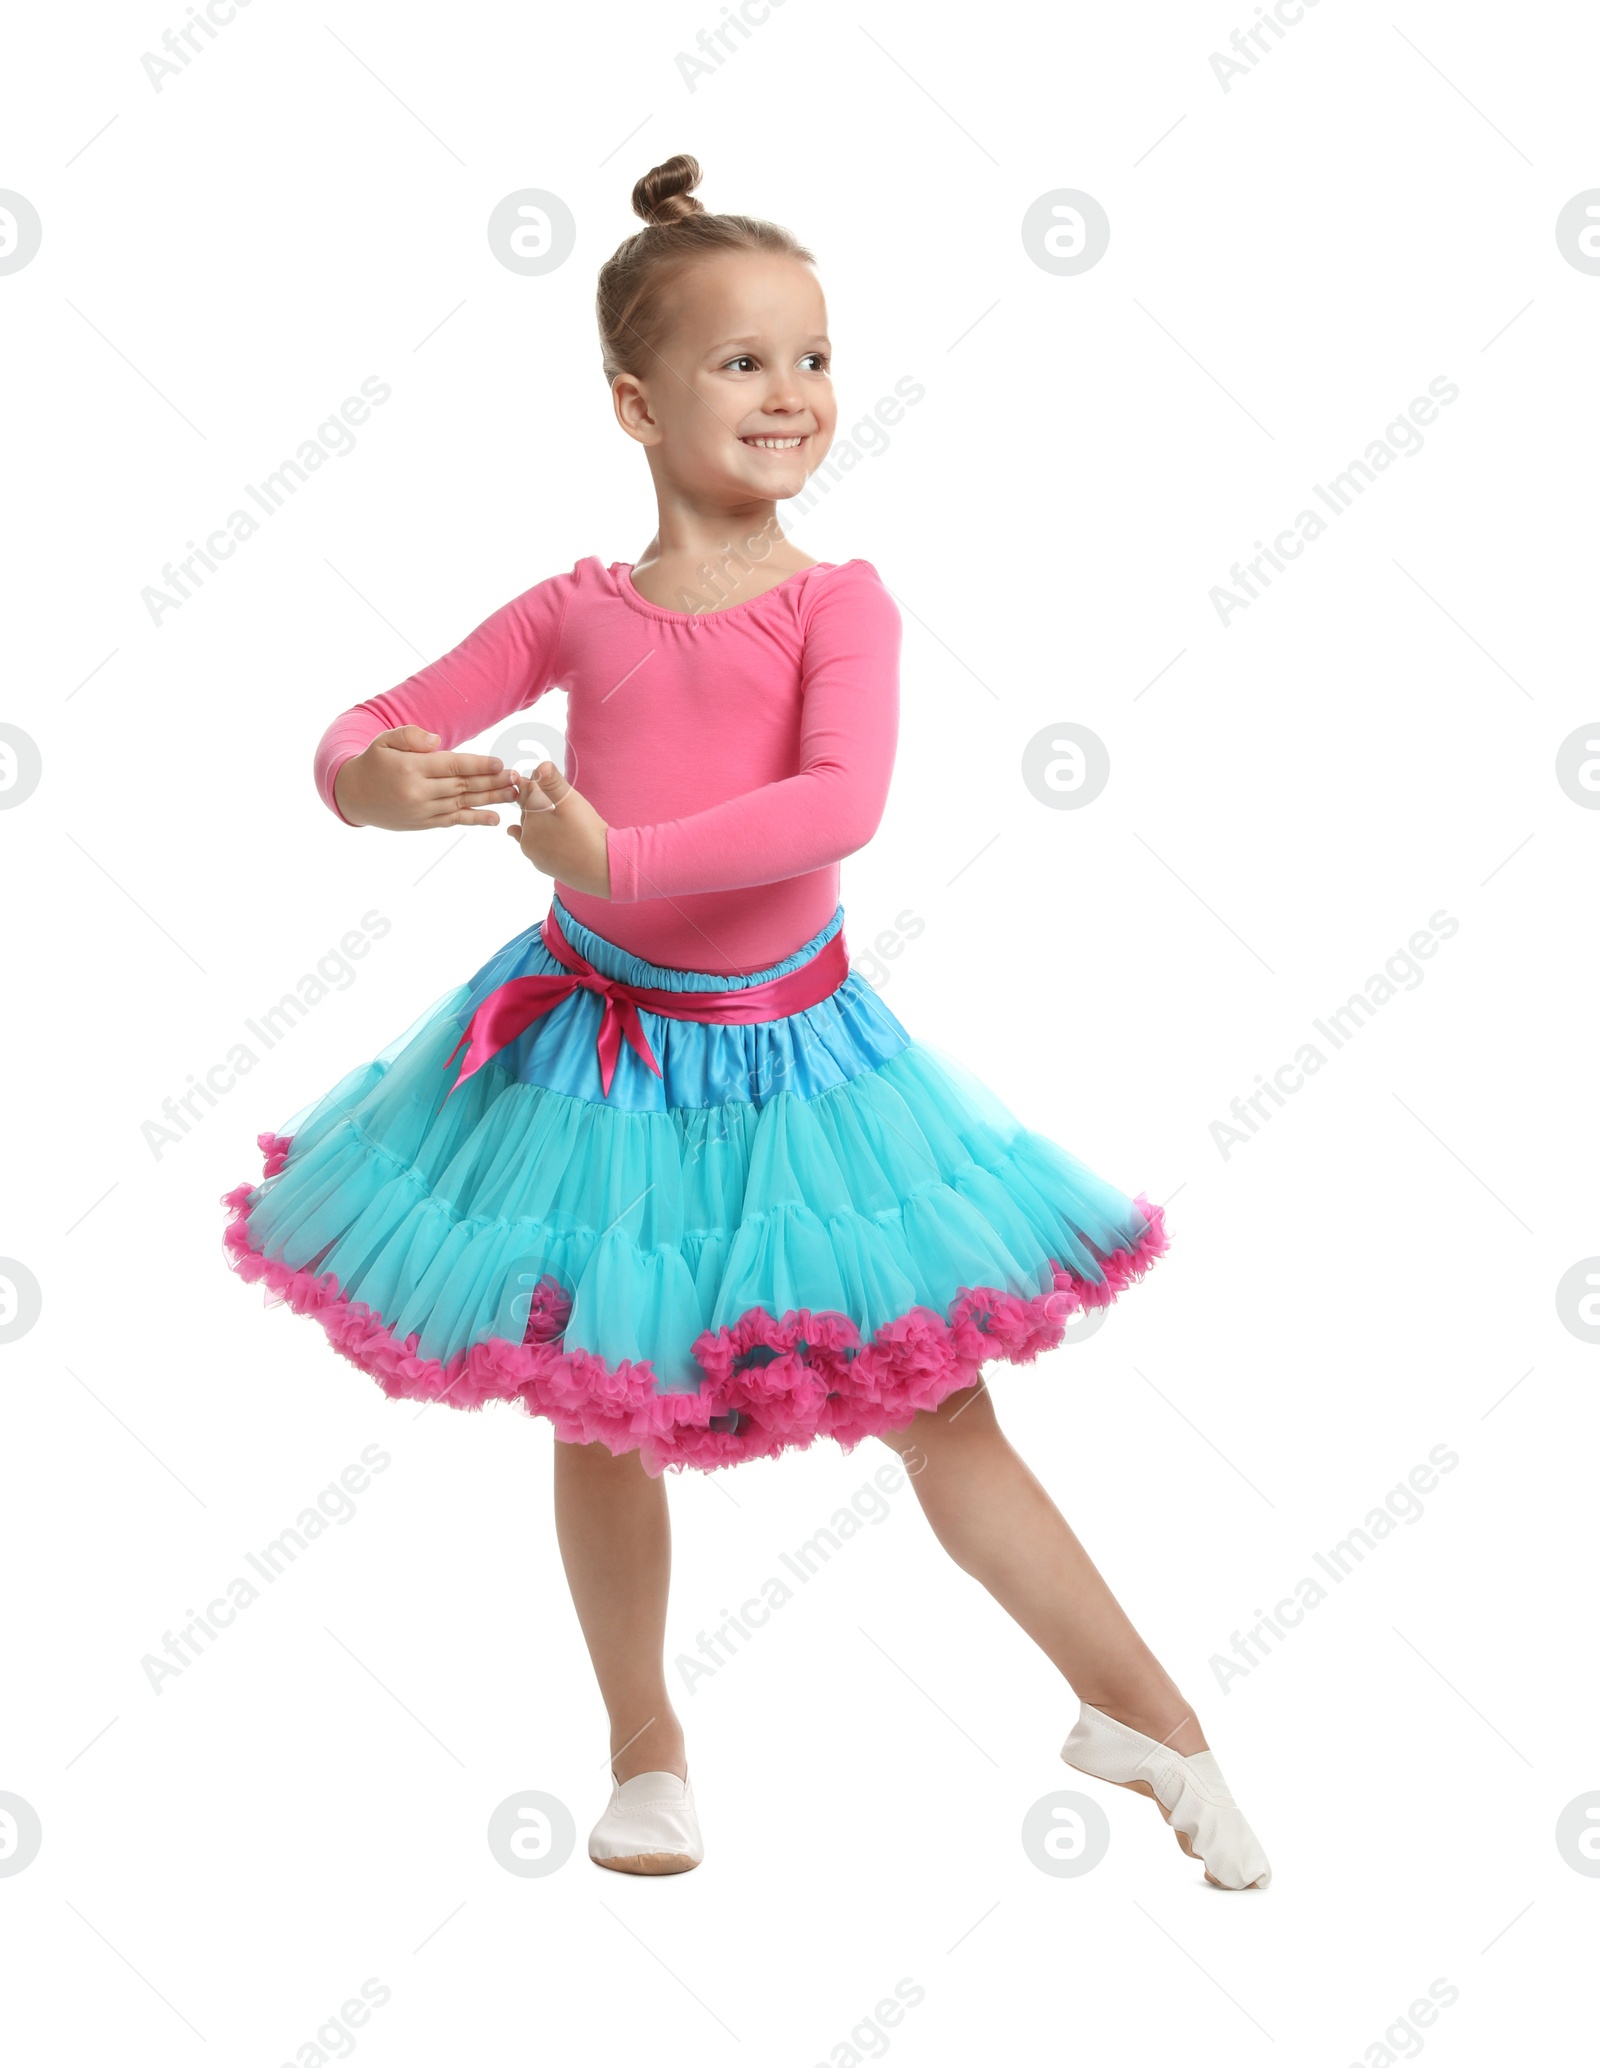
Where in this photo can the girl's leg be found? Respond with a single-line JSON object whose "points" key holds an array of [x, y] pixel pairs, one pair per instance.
{"points": [[998, 1524], [616, 1546]]}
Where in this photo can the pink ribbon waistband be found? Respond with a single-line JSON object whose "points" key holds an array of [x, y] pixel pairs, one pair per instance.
{"points": [[513, 1007]]}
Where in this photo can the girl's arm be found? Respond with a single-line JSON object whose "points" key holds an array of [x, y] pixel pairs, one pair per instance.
{"points": [[848, 731], [503, 666]]}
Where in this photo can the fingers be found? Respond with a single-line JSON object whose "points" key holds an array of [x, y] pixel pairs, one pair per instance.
{"points": [[437, 801], [459, 800], [551, 781], [470, 765], [463, 817], [545, 788], [411, 739], [473, 786], [430, 780]]}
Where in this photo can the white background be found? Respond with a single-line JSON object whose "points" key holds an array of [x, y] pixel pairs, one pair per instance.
{"points": [[1373, 1274]]}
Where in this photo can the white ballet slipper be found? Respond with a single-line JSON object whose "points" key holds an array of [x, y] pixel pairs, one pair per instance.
{"points": [[1190, 1793], [649, 1827]]}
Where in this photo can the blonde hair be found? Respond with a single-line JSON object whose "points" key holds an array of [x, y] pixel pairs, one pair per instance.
{"points": [[630, 299]]}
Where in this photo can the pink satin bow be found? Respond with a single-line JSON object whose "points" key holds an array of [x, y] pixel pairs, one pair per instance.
{"points": [[514, 1006]]}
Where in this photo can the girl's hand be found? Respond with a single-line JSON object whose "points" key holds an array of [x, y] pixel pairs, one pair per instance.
{"points": [[402, 781], [561, 832]]}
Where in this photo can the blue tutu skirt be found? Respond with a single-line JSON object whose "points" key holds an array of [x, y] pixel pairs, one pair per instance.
{"points": [[806, 1226]]}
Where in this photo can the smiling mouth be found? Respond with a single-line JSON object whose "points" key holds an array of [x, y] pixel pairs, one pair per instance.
{"points": [[775, 444]]}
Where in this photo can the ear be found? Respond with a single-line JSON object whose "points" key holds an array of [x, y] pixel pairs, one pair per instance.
{"points": [[631, 400]]}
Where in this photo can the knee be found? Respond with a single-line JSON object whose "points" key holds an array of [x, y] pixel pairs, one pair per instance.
{"points": [[598, 1462], [963, 1424], [964, 1421]]}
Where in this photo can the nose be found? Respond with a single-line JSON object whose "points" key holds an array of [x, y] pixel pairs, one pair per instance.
{"points": [[783, 398]]}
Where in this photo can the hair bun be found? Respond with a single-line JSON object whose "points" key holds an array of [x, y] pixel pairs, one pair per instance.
{"points": [[666, 193]]}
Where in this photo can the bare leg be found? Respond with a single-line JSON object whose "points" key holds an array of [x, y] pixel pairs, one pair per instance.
{"points": [[997, 1522], [616, 1546]]}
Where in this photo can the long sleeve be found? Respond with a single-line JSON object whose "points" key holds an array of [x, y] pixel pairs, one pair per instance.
{"points": [[508, 662], [849, 728]]}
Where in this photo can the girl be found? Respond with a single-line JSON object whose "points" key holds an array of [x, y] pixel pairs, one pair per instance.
{"points": [[665, 1170]]}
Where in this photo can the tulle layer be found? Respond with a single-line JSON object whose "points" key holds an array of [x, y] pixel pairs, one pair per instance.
{"points": [[776, 1382], [702, 1284]]}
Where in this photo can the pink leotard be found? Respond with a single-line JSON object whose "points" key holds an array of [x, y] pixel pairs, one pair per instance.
{"points": [[736, 755]]}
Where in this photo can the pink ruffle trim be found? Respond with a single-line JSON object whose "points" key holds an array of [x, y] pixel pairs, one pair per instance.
{"points": [[275, 1148], [772, 1384]]}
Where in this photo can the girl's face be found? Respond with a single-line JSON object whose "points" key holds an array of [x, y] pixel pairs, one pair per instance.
{"points": [[736, 405]]}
